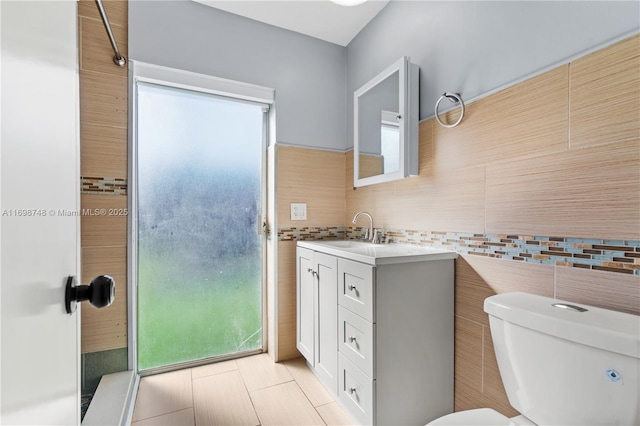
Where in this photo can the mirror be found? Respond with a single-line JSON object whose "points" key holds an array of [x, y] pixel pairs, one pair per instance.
{"points": [[386, 125]]}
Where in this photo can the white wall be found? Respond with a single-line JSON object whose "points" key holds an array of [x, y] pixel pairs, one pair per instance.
{"points": [[308, 75], [475, 47]]}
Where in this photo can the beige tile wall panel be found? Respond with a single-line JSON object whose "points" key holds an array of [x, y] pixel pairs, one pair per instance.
{"points": [[117, 10], [592, 192], [104, 151], [314, 177], [103, 230], [478, 277], [451, 200], [287, 301], [96, 53], [492, 386], [359, 199], [466, 397], [468, 363], [425, 147], [103, 99], [605, 95], [349, 166], [106, 328], [518, 122], [609, 290]]}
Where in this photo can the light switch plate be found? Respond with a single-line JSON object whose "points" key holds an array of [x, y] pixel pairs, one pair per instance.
{"points": [[298, 211]]}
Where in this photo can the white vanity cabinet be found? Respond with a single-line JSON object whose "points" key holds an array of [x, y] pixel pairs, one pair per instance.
{"points": [[394, 316], [317, 319]]}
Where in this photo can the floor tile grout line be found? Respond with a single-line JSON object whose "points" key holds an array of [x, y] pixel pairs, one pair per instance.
{"points": [[253, 405], [162, 415], [193, 396]]}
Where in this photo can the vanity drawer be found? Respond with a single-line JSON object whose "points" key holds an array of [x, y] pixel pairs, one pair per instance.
{"points": [[356, 340], [356, 290], [356, 392]]}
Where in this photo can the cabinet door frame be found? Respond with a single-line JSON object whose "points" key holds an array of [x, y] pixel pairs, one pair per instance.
{"points": [[326, 343], [306, 290]]}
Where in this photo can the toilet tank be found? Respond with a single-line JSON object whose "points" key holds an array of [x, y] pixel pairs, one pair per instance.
{"points": [[566, 366]]}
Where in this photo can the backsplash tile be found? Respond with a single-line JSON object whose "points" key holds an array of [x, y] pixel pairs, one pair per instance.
{"points": [[605, 255], [103, 185]]}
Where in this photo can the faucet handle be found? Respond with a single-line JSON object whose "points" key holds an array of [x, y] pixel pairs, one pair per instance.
{"points": [[366, 233]]}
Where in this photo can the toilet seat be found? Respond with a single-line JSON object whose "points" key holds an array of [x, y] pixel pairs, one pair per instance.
{"points": [[477, 417]]}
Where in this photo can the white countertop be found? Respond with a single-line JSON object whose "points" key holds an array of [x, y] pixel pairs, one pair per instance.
{"points": [[378, 254]]}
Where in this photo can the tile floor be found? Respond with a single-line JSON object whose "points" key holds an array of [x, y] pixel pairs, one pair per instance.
{"points": [[246, 391]]}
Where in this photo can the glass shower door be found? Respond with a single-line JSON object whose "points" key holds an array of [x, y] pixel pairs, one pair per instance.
{"points": [[200, 172]]}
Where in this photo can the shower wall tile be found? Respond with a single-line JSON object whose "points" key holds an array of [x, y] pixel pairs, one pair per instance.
{"points": [[605, 95], [104, 151], [96, 53], [105, 329], [105, 226], [103, 99], [117, 10]]}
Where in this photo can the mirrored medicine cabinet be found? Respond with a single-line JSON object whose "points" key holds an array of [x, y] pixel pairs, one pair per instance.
{"points": [[386, 125]]}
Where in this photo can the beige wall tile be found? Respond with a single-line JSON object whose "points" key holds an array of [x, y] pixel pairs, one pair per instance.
{"points": [[103, 99], [468, 363], [605, 95], [492, 386], [467, 398], [117, 11], [478, 277], [103, 151], [103, 230], [451, 200], [286, 339], [591, 192], [106, 328], [426, 147], [96, 53], [314, 177], [609, 290], [527, 119]]}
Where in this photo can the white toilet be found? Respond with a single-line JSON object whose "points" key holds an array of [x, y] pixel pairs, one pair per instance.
{"points": [[561, 364]]}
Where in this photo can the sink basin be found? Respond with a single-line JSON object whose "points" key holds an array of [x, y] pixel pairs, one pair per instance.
{"points": [[378, 254]]}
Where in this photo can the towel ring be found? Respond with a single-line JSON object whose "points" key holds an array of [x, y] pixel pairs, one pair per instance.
{"points": [[453, 97]]}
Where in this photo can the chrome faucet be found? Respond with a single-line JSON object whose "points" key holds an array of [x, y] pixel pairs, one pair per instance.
{"points": [[368, 236]]}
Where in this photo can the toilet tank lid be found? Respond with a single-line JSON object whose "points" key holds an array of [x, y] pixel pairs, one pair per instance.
{"points": [[601, 328]]}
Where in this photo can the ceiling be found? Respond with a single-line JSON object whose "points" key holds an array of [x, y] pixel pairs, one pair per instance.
{"points": [[317, 18]]}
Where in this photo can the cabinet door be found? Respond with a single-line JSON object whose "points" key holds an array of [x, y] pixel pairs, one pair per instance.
{"points": [[327, 320], [305, 304]]}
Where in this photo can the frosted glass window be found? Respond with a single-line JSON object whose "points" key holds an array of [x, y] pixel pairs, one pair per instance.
{"points": [[199, 199]]}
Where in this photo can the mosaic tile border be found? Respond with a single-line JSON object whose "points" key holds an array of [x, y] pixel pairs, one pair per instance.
{"points": [[103, 186], [587, 253]]}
